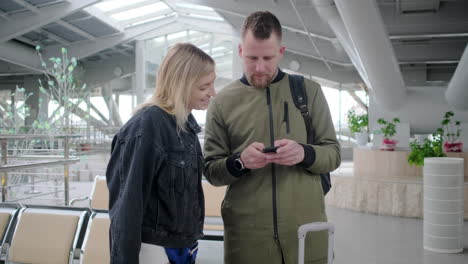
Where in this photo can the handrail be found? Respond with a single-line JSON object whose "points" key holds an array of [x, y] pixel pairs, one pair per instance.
{"points": [[8, 168], [39, 136], [5, 168]]}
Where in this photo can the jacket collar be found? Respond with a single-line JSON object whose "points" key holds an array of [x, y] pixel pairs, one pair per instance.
{"points": [[192, 124], [279, 76]]}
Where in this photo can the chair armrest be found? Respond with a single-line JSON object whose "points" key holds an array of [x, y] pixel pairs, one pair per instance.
{"points": [[72, 201]]}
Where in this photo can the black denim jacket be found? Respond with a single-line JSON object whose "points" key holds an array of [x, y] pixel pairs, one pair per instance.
{"points": [[154, 179]]}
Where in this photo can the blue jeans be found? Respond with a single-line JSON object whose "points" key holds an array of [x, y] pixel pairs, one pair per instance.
{"points": [[182, 255]]}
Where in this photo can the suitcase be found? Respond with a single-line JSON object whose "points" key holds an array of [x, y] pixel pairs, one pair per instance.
{"points": [[314, 227]]}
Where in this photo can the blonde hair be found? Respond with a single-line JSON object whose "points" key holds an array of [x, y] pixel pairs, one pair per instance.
{"points": [[183, 66]]}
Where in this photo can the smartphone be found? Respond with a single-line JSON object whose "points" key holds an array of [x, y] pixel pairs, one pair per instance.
{"points": [[269, 149]]}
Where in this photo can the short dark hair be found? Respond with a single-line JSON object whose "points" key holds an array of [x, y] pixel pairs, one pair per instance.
{"points": [[262, 24]]}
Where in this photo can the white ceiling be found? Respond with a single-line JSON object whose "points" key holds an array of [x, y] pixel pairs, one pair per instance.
{"points": [[428, 37]]}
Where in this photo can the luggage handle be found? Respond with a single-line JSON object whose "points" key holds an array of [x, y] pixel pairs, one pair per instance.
{"points": [[314, 227]]}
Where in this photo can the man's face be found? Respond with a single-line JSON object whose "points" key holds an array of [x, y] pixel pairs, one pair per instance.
{"points": [[260, 58], [202, 92]]}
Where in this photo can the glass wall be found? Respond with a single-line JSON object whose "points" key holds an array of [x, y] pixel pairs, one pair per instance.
{"points": [[340, 102], [218, 46]]}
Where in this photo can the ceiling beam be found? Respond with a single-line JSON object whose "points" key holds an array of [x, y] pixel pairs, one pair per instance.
{"points": [[104, 18], [86, 48], [24, 56], [429, 36], [207, 25], [123, 52], [75, 29], [54, 37], [27, 41], [4, 15], [22, 23], [21, 55], [28, 6]]}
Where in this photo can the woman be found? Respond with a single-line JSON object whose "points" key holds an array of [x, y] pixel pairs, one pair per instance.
{"points": [[154, 173]]}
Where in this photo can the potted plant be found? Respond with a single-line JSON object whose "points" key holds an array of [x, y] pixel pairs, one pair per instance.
{"points": [[358, 126], [388, 130], [451, 133], [428, 148]]}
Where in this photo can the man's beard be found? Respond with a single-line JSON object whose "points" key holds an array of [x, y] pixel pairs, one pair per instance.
{"points": [[262, 83]]}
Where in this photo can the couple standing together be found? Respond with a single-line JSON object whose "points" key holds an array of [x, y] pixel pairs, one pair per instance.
{"points": [[155, 171]]}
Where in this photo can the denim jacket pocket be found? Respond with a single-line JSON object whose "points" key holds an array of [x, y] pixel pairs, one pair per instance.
{"points": [[177, 169]]}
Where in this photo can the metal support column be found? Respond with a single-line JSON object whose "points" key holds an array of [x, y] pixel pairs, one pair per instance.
{"points": [[66, 168], [4, 146]]}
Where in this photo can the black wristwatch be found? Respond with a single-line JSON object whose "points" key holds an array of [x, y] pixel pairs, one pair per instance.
{"points": [[238, 163]]}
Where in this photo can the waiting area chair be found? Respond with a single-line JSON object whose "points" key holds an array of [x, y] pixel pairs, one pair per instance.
{"points": [[8, 215], [213, 198], [213, 228], [99, 197], [46, 235], [95, 247]]}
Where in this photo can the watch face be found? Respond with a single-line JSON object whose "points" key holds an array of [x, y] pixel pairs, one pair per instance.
{"points": [[238, 164]]}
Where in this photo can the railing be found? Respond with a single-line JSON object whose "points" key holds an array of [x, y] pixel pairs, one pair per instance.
{"points": [[45, 161]]}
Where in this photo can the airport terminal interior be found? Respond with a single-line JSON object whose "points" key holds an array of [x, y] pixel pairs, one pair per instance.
{"points": [[394, 73]]}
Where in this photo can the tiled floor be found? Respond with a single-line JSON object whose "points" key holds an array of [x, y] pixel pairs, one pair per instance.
{"points": [[368, 239]]}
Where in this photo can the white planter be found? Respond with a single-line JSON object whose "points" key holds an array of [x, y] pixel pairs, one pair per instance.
{"points": [[361, 138], [443, 204]]}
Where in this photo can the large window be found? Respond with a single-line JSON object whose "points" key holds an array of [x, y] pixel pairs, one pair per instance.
{"points": [[218, 46], [340, 102]]}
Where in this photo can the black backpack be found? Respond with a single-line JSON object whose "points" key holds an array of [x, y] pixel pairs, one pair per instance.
{"points": [[299, 95]]}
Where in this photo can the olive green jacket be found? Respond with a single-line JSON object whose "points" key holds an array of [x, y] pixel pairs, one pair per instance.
{"points": [[237, 117]]}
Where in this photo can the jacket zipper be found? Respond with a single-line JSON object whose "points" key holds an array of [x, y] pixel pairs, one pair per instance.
{"points": [[286, 118], [273, 174]]}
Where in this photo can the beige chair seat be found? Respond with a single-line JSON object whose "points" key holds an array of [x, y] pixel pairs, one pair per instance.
{"points": [[95, 248], [8, 214], [45, 235], [99, 199], [213, 198], [5, 218]]}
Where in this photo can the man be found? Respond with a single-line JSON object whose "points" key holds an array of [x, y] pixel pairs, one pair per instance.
{"points": [[269, 195]]}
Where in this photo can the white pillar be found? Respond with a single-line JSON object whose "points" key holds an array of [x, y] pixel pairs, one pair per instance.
{"points": [[443, 204], [140, 71], [456, 93], [328, 12], [236, 60], [369, 37]]}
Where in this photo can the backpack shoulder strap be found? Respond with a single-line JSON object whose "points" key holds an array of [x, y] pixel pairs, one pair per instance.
{"points": [[299, 96], [298, 93]]}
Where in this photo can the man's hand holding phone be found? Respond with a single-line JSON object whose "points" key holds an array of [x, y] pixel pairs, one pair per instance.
{"points": [[288, 152], [253, 157]]}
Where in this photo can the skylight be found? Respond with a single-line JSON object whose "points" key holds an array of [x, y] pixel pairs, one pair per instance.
{"points": [[147, 20], [132, 13], [140, 11], [112, 5], [195, 7], [210, 17]]}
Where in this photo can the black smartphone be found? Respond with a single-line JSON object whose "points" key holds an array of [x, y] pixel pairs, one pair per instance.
{"points": [[269, 149]]}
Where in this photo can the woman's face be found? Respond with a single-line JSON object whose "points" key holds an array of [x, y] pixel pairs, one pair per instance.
{"points": [[202, 92]]}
